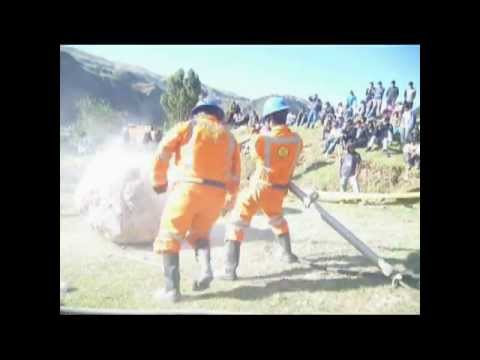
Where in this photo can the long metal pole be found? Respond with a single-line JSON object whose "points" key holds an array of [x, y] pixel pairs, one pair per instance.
{"points": [[385, 267]]}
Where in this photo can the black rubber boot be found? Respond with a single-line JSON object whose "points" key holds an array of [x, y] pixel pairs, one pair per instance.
{"points": [[202, 255], [171, 270], [232, 259], [285, 250]]}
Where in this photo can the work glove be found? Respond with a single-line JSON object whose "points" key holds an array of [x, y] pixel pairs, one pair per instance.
{"points": [[160, 189]]}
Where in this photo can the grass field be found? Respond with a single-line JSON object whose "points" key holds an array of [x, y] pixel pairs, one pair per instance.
{"points": [[332, 277]]}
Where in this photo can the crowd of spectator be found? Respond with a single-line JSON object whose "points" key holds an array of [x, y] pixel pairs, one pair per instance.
{"points": [[373, 122]]}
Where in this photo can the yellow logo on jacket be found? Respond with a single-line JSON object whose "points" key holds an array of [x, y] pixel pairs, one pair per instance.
{"points": [[283, 152]]}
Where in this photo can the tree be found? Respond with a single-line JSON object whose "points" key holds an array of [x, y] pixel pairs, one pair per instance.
{"points": [[181, 95]]}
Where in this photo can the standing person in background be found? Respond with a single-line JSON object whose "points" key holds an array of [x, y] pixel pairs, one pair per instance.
{"points": [[369, 93], [315, 108], [377, 100], [300, 118], [349, 168], [407, 123], [392, 95], [351, 100], [327, 126], [328, 111], [410, 94]]}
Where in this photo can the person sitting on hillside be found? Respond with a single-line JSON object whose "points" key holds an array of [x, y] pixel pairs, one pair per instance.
{"points": [[333, 139], [361, 134], [348, 133], [407, 123], [349, 168], [328, 126], [396, 119], [375, 131], [386, 134], [329, 110]]}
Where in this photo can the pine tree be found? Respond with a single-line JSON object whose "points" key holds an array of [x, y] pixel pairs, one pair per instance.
{"points": [[181, 96]]}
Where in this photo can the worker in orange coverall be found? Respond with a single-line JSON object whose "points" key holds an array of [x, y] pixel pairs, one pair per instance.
{"points": [[208, 158], [277, 153]]}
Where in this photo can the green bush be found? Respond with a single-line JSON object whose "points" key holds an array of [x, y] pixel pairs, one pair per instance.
{"points": [[96, 119]]}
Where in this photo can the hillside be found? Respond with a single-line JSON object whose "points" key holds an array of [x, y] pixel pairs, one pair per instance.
{"points": [[127, 88], [130, 89]]}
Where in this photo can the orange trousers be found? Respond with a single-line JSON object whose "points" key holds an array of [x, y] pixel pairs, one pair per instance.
{"points": [[250, 201], [189, 214]]}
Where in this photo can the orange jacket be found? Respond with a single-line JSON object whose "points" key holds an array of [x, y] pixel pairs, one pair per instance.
{"points": [[277, 155], [204, 149]]}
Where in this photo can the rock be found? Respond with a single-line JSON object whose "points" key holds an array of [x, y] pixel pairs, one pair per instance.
{"points": [[116, 197]]}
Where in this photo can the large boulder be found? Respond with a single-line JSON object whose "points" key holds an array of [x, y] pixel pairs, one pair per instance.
{"points": [[116, 197]]}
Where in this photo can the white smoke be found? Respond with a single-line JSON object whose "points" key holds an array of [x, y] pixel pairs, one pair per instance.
{"points": [[115, 194]]}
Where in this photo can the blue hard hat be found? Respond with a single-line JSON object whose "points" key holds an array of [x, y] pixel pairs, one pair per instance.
{"points": [[208, 103], [273, 105]]}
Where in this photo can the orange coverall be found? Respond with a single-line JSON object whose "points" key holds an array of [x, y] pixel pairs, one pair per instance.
{"points": [[277, 154], [208, 158]]}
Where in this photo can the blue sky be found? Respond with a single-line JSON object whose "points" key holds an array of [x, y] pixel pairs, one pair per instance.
{"points": [[258, 70]]}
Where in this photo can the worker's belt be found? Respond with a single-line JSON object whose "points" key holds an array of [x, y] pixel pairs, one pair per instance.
{"points": [[207, 182], [279, 186]]}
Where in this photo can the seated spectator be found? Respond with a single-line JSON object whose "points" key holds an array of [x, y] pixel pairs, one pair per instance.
{"points": [[361, 134], [349, 169], [407, 123], [349, 132], [333, 139], [328, 126], [395, 119], [386, 134], [375, 136], [328, 110]]}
